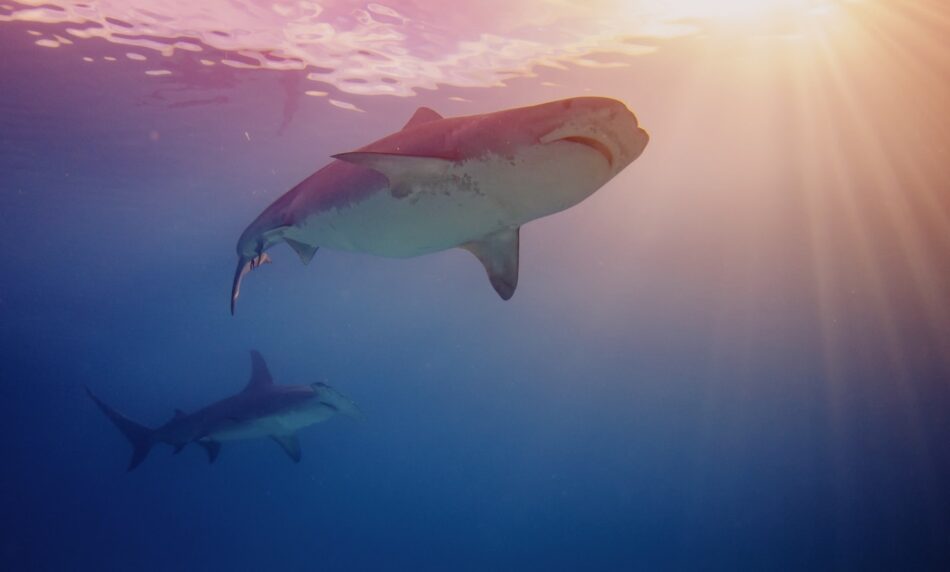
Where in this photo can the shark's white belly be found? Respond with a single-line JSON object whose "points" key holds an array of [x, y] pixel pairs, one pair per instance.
{"points": [[281, 424], [474, 199]]}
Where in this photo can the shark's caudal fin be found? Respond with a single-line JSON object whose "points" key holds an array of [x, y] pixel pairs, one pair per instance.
{"points": [[244, 266], [498, 253], [141, 437]]}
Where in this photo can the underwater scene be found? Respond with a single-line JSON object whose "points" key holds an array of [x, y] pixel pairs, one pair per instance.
{"points": [[496, 285]]}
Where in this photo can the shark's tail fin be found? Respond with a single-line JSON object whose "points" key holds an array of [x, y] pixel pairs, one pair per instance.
{"points": [[141, 437]]}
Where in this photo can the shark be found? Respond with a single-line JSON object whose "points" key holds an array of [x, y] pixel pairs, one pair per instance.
{"points": [[261, 409], [440, 183]]}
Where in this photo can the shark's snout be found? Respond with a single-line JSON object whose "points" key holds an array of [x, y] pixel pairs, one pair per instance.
{"points": [[605, 126], [640, 142], [337, 401], [349, 408], [355, 412]]}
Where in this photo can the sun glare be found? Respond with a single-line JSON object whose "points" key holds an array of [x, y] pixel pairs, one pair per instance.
{"points": [[746, 13], [740, 9]]}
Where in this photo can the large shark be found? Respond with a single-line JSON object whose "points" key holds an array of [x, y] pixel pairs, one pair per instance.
{"points": [[262, 409], [441, 183]]}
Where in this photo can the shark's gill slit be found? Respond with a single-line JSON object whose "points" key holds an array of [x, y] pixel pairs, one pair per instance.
{"points": [[593, 144]]}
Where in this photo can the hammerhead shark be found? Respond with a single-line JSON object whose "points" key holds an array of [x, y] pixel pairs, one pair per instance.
{"points": [[262, 409], [442, 183]]}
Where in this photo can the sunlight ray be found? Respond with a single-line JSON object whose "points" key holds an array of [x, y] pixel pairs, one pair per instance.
{"points": [[886, 186], [889, 188]]}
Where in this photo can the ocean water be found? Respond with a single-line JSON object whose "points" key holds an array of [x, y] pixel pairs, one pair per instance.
{"points": [[735, 355]]}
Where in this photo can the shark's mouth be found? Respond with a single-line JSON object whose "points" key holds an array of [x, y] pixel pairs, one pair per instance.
{"points": [[593, 144]]}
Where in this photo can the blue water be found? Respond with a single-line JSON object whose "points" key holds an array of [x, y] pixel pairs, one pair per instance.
{"points": [[704, 367]]}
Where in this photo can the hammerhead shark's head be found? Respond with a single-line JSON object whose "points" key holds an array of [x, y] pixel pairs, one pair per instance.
{"points": [[262, 409], [441, 183]]}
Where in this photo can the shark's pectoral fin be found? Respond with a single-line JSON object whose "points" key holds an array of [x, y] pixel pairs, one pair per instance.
{"points": [[303, 250], [405, 172], [498, 253], [212, 448], [179, 447], [290, 444]]}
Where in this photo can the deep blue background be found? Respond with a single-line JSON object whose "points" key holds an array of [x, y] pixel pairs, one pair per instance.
{"points": [[669, 388]]}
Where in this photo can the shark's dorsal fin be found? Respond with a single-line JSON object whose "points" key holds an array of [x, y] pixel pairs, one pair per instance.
{"points": [[212, 448], [260, 377], [290, 444], [303, 250], [177, 415], [404, 172], [498, 253], [422, 115]]}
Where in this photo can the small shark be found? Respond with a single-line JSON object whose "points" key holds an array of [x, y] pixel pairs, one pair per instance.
{"points": [[262, 409], [442, 183]]}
